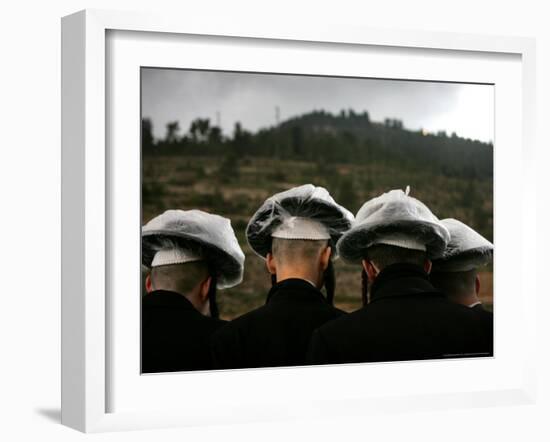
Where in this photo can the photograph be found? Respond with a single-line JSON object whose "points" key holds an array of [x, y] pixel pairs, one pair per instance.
{"points": [[297, 220]]}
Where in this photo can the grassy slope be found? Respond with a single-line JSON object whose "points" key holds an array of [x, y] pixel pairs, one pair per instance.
{"points": [[238, 189]]}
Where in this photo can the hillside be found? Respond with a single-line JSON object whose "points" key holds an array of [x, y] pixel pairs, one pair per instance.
{"points": [[355, 161]]}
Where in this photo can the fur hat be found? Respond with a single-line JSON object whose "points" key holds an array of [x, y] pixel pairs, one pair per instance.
{"points": [[394, 218], [189, 235], [304, 212], [466, 250]]}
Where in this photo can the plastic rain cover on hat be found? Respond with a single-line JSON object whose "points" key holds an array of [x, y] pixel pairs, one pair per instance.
{"points": [[210, 236], [282, 210], [173, 254], [296, 227], [394, 218], [466, 250]]}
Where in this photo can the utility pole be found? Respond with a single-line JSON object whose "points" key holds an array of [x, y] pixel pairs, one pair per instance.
{"points": [[277, 115]]}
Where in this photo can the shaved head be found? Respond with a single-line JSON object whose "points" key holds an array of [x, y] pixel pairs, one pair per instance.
{"points": [[180, 278], [383, 255], [299, 251], [299, 258]]}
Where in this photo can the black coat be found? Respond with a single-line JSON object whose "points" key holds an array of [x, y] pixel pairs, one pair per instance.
{"points": [[174, 335], [276, 334], [486, 318], [406, 319]]}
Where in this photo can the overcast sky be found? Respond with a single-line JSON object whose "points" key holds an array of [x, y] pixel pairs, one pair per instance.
{"points": [[224, 97]]}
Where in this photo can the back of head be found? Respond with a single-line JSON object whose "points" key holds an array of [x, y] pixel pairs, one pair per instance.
{"points": [[180, 278], [455, 273], [384, 255], [305, 259], [297, 252], [295, 231]]}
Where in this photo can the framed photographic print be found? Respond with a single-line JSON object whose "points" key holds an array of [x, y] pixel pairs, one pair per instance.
{"points": [[207, 120]]}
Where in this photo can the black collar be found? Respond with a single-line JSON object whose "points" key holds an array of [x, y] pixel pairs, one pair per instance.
{"points": [[402, 280], [294, 290], [166, 298]]}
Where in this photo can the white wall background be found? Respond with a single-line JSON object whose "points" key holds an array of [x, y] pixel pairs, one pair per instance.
{"points": [[30, 216]]}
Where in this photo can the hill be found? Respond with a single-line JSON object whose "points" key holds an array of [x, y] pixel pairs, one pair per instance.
{"points": [[354, 158]]}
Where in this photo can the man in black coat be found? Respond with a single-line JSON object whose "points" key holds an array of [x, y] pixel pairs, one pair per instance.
{"points": [[189, 254], [175, 335], [294, 232], [176, 325], [406, 318], [456, 273], [278, 333]]}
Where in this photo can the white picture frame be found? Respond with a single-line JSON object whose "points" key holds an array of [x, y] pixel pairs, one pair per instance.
{"points": [[89, 175]]}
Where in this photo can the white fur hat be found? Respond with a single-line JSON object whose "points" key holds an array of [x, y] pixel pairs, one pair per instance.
{"points": [[184, 235], [394, 218], [467, 249], [304, 212]]}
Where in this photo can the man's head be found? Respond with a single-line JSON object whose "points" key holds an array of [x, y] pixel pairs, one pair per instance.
{"points": [[381, 256], [181, 236], [456, 272], [191, 279], [291, 231], [460, 287], [393, 218], [299, 258], [305, 212]]}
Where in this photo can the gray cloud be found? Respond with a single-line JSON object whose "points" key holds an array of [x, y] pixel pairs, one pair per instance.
{"points": [[170, 94]]}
